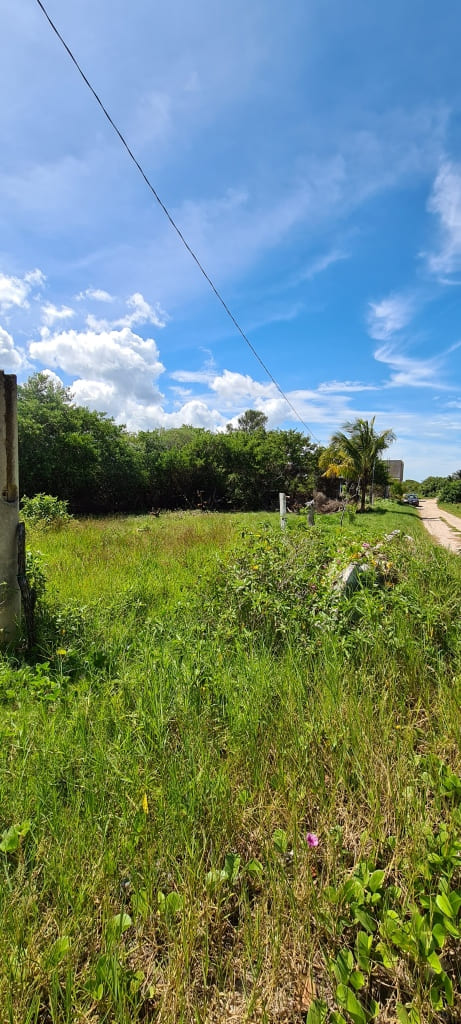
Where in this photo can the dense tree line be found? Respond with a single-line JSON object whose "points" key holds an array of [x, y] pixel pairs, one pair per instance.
{"points": [[447, 488], [98, 466]]}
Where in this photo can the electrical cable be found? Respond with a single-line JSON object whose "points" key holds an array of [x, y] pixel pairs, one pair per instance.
{"points": [[172, 222]]}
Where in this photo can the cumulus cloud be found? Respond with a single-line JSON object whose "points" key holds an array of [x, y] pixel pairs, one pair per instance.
{"points": [[105, 353], [53, 377], [142, 313], [234, 388], [12, 359], [96, 323], [97, 394], [98, 294], [51, 314], [390, 315], [445, 203], [35, 277], [197, 413], [114, 369], [14, 291]]}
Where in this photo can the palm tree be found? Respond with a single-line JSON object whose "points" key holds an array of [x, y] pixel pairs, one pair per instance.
{"points": [[358, 448]]}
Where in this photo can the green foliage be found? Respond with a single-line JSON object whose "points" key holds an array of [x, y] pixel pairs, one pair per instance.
{"points": [[97, 466], [399, 940], [36, 572], [12, 837], [87, 459], [166, 774], [450, 492], [356, 453], [278, 589], [431, 485], [45, 510], [251, 420]]}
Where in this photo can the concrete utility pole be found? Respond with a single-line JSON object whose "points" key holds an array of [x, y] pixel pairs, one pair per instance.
{"points": [[283, 509], [10, 594]]}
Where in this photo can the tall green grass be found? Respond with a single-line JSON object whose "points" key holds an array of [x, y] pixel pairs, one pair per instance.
{"points": [[156, 735], [454, 508]]}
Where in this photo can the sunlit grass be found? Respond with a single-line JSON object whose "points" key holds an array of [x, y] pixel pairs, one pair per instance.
{"points": [[454, 509], [158, 749]]}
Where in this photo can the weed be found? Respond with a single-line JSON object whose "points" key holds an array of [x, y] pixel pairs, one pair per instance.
{"points": [[45, 510], [220, 776]]}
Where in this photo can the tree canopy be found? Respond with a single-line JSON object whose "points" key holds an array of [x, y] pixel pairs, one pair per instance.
{"points": [[354, 453], [98, 466]]}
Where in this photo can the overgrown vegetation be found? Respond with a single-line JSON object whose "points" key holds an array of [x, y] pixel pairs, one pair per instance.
{"points": [[229, 791], [44, 509], [355, 455], [446, 488], [97, 466]]}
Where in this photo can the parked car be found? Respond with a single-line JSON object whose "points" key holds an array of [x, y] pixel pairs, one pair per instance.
{"points": [[412, 499]]}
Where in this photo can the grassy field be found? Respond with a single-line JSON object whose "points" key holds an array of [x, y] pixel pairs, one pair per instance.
{"points": [[453, 508], [229, 791]]}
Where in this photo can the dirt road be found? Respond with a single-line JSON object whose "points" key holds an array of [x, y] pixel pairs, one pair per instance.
{"points": [[441, 525]]}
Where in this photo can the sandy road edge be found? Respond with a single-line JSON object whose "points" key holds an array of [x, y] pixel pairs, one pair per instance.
{"points": [[443, 527]]}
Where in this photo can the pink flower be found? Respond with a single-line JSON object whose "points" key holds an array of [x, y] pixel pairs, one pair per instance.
{"points": [[311, 839]]}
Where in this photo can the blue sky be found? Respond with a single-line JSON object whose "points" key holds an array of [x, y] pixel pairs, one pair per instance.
{"points": [[311, 154]]}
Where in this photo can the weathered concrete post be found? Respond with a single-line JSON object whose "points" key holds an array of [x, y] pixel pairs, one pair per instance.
{"points": [[283, 509], [10, 594]]}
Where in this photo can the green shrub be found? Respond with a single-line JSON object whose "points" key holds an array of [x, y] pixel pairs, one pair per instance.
{"points": [[278, 589], [451, 492], [35, 572], [430, 487], [45, 510]]}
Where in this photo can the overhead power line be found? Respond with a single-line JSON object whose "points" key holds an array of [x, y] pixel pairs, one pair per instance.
{"points": [[172, 221]]}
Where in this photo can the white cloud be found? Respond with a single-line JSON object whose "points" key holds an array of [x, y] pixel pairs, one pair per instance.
{"points": [[181, 392], [35, 277], [96, 323], [196, 413], [52, 376], [106, 353], [114, 369], [142, 313], [12, 359], [343, 386], [97, 394], [14, 291], [412, 373], [193, 376], [234, 388], [322, 263], [98, 294], [445, 203], [390, 315], [51, 314]]}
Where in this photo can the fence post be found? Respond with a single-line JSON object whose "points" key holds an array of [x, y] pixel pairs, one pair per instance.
{"points": [[10, 595], [283, 510]]}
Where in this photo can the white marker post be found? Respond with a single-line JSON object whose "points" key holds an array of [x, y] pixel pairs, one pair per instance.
{"points": [[10, 594], [283, 510]]}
